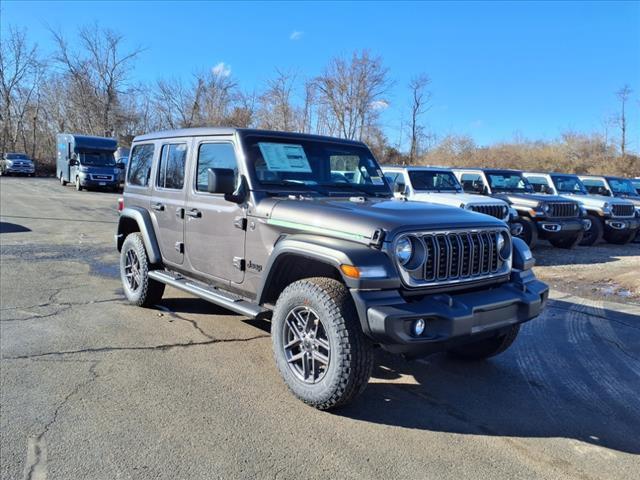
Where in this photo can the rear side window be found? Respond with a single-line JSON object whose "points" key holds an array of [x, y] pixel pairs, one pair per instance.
{"points": [[171, 166], [140, 165], [214, 155], [538, 183], [470, 181]]}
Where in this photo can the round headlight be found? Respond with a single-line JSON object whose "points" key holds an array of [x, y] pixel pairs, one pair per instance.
{"points": [[504, 245], [404, 250], [546, 208]]}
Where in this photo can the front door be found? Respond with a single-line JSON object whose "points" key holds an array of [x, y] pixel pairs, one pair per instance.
{"points": [[168, 200], [214, 227]]}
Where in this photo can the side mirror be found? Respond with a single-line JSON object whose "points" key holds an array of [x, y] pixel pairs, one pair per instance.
{"points": [[221, 180], [73, 162], [120, 165], [400, 187], [603, 191], [485, 190]]}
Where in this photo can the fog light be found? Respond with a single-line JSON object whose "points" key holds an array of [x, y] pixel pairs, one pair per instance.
{"points": [[418, 327]]}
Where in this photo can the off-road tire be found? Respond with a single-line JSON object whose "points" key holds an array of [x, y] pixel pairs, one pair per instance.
{"points": [[149, 292], [487, 347], [529, 231], [567, 242], [619, 238], [594, 234], [63, 182], [78, 185], [351, 357]]}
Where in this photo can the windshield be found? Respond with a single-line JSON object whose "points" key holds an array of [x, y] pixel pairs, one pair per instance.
{"points": [[433, 181], [568, 184], [508, 182], [324, 167], [17, 156], [97, 159], [622, 186]]}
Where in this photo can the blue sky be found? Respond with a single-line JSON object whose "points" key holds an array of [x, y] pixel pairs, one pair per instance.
{"points": [[497, 69]]}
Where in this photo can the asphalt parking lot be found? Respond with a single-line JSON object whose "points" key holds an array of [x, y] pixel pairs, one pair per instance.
{"points": [[94, 388]]}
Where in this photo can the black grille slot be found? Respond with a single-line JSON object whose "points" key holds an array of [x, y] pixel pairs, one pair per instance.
{"points": [[563, 209], [497, 211], [623, 210], [459, 255]]}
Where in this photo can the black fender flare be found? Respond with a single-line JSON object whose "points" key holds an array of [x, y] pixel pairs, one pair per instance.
{"points": [[145, 226], [333, 252]]}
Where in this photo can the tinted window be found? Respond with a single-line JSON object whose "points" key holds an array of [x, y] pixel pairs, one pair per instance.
{"points": [[214, 155], [171, 167], [471, 182], [508, 182], [140, 165], [538, 183], [568, 184]]}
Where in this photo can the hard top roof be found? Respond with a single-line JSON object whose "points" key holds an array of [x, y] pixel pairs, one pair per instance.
{"points": [[214, 131]]}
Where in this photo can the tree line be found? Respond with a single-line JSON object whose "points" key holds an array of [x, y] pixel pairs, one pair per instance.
{"points": [[89, 88]]}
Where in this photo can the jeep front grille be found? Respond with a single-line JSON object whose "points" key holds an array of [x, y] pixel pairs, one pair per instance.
{"points": [[498, 211], [563, 209], [456, 257], [623, 210]]}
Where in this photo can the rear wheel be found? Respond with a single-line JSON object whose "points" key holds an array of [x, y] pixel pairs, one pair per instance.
{"points": [[567, 242], [529, 231], [594, 234], [134, 272], [63, 182], [487, 347], [318, 344]]}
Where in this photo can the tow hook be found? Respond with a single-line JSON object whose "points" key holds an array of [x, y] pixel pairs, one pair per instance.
{"points": [[616, 224], [551, 227]]}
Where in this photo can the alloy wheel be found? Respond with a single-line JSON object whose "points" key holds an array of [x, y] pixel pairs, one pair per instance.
{"points": [[132, 270]]}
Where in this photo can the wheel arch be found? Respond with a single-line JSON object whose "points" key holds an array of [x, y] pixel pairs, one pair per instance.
{"points": [[134, 219]]}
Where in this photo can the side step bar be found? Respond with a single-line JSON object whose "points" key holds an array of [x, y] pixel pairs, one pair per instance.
{"points": [[213, 295]]}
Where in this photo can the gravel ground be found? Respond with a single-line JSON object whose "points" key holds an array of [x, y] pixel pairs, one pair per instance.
{"points": [[93, 388]]}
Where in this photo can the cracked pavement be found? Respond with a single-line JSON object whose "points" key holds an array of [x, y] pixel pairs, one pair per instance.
{"points": [[94, 388]]}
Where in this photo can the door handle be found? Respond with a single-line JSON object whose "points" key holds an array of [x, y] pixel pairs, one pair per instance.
{"points": [[194, 213], [158, 206]]}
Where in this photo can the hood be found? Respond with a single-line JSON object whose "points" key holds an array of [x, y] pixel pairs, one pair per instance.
{"points": [[455, 199], [592, 200], [630, 198], [528, 199], [359, 220]]}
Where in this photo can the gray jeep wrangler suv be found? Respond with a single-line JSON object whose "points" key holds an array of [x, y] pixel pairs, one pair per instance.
{"points": [[304, 230]]}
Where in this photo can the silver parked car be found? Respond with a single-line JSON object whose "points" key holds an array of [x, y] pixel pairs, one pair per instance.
{"points": [[17, 164]]}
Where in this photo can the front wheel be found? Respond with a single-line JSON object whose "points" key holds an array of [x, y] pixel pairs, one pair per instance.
{"points": [[529, 231], [63, 182], [134, 272], [594, 234], [318, 344], [620, 238], [567, 242], [78, 184], [487, 347]]}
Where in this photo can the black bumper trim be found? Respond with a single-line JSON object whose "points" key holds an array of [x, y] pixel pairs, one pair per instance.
{"points": [[451, 319]]}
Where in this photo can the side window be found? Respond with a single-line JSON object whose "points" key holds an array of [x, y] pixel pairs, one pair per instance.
{"points": [[471, 182], [140, 165], [214, 155], [539, 184], [171, 167]]}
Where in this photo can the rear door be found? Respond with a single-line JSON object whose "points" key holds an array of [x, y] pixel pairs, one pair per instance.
{"points": [[214, 227], [168, 200]]}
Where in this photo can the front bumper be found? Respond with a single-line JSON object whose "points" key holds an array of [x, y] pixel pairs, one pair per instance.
{"points": [[450, 319], [88, 182], [622, 224], [551, 228], [22, 170]]}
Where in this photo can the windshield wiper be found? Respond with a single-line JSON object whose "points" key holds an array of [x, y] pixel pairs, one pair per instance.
{"points": [[353, 188], [294, 183]]}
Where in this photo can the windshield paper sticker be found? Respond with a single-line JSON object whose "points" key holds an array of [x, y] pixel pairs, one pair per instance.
{"points": [[281, 157]]}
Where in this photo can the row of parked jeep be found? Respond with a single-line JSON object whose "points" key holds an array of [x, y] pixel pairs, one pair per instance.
{"points": [[306, 231], [565, 209]]}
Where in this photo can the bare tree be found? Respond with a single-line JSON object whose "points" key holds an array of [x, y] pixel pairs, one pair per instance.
{"points": [[276, 103], [623, 95], [98, 74], [353, 90], [420, 104], [20, 76]]}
